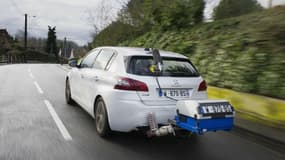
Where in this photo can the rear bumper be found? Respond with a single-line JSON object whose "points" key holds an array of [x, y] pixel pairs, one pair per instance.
{"points": [[126, 115], [126, 112]]}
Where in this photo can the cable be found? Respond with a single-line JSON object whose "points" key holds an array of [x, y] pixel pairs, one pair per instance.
{"points": [[158, 60], [165, 95], [161, 93], [17, 7], [159, 88]]}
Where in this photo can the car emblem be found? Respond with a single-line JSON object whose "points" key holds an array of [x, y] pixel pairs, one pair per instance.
{"points": [[175, 83]]}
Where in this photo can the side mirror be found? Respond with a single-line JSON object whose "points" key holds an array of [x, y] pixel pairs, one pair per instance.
{"points": [[73, 63], [78, 62]]}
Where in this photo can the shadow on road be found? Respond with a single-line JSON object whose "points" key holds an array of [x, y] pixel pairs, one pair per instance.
{"points": [[169, 147], [209, 146]]}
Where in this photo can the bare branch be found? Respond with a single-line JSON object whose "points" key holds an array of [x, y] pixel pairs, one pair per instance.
{"points": [[103, 14]]}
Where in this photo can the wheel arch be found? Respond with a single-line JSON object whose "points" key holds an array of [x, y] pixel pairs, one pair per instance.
{"points": [[94, 104], [67, 79], [107, 108]]}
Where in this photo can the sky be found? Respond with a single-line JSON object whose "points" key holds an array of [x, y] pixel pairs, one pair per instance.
{"points": [[73, 18]]}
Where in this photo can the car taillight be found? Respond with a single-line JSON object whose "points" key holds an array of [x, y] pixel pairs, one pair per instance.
{"points": [[202, 86], [131, 85]]}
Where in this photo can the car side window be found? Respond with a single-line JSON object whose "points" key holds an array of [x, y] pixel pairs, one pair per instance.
{"points": [[88, 61], [103, 59]]}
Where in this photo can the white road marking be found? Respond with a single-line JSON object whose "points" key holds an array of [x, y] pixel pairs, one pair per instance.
{"points": [[32, 76], [38, 87], [58, 122]]}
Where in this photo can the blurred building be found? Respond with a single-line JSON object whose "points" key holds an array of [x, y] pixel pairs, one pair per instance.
{"points": [[5, 41]]}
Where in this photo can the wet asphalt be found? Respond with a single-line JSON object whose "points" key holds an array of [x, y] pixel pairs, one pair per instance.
{"points": [[29, 132]]}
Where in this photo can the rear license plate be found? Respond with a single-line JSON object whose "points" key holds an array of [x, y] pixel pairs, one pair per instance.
{"points": [[177, 93], [216, 108]]}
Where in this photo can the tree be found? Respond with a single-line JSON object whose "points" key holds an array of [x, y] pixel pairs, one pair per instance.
{"points": [[175, 14], [187, 13], [130, 23], [233, 8], [133, 13], [5, 41], [100, 17], [51, 46], [36, 43], [140, 16], [114, 34]]}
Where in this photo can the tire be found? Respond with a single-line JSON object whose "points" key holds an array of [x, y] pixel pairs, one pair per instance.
{"points": [[101, 119], [68, 98]]}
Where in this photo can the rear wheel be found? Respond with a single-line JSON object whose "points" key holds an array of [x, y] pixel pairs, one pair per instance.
{"points": [[68, 98], [101, 119]]}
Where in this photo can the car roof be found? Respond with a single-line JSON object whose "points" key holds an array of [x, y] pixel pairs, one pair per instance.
{"points": [[134, 51]]}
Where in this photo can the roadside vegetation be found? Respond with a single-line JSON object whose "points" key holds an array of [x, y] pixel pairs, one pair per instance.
{"points": [[244, 53], [38, 49], [234, 8]]}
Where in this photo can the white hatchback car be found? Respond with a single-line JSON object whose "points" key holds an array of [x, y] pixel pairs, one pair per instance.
{"points": [[115, 85]]}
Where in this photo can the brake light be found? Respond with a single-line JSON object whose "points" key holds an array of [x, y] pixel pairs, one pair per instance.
{"points": [[131, 85], [203, 86]]}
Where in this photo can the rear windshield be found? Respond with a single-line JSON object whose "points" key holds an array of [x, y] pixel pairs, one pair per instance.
{"points": [[172, 67]]}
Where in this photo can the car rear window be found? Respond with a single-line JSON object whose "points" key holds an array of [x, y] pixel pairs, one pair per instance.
{"points": [[172, 67]]}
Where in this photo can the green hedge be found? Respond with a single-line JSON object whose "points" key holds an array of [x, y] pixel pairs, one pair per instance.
{"points": [[245, 54]]}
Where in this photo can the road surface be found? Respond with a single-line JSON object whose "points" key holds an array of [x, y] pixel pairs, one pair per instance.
{"points": [[36, 123]]}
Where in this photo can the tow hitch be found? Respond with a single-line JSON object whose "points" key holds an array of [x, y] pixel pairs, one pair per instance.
{"points": [[155, 130]]}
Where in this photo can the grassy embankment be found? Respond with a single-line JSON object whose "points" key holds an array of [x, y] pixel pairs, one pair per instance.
{"points": [[245, 54]]}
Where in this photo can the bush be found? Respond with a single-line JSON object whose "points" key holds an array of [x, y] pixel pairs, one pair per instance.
{"points": [[244, 53], [233, 8]]}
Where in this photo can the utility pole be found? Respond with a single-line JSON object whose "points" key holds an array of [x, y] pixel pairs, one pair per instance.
{"points": [[64, 44], [270, 3], [26, 32], [26, 35]]}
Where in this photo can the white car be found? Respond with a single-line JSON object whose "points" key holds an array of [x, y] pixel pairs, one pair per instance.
{"points": [[116, 86]]}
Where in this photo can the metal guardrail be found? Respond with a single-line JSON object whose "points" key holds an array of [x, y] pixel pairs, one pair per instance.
{"points": [[4, 59]]}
